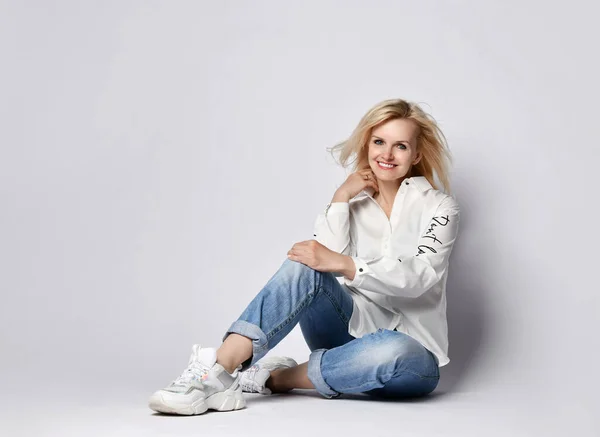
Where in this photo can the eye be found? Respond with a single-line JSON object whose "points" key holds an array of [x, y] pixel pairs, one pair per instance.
{"points": [[377, 141]]}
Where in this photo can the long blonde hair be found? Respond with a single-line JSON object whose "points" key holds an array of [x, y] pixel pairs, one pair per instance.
{"points": [[431, 142]]}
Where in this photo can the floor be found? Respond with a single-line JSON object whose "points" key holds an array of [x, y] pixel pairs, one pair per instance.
{"points": [[300, 413]]}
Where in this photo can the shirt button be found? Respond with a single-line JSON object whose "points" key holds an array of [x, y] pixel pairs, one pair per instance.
{"points": [[360, 269], [406, 182]]}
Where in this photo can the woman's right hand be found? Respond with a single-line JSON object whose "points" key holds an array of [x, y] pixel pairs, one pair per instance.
{"points": [[357, 182]]}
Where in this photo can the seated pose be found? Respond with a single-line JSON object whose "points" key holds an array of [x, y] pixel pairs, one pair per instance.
{"points": [[369, 291]]}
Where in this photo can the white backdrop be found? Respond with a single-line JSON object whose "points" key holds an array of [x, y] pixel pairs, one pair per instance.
{"points": [[159, 158]]}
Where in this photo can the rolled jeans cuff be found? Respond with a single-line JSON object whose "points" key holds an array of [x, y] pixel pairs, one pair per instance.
{"points": [[260, 345], [315, 376]]}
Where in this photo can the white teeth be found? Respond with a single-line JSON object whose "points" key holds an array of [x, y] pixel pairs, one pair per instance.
{"points": [[386, 165]]}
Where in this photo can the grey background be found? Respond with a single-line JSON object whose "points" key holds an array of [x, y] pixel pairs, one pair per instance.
{"points": [[158, 159]]}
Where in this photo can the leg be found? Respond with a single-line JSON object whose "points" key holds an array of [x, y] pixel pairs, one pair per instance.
{"points": [[385, 364], [284, 380], [324, 326], [274, 312]]}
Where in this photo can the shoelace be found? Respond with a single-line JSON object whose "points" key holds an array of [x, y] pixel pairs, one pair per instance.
{"points": [[194, 371], [248, 383]]}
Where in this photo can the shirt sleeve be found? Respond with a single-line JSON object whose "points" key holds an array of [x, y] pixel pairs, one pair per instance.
{"points": [[332, 228], [413, 276]]}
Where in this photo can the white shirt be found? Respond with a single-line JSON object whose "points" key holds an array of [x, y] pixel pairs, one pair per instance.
{"points": [[401, 262]]}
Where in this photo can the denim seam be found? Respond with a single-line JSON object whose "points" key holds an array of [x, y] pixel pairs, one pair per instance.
{"points": [[416, 374], [336, 305], [369, 382], [393, 375], [315, 375], [413, 373], [304, 302], [260, 347], [289, 318]]}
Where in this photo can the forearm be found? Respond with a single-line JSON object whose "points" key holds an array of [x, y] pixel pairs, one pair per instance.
{"points": [[347, 267], [340, 196]]}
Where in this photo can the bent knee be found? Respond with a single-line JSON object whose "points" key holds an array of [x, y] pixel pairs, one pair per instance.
{"points": [[298, 270], [397, 349], [298, 276]]}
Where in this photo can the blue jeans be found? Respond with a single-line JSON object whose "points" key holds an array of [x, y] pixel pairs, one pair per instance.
{"points": [[384, 363]]}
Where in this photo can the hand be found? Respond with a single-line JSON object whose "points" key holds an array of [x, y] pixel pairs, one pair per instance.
{"points": [[358, 181], [315, 255]]}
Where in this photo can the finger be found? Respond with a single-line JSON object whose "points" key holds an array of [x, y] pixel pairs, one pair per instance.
{"points": [[298, 244], [295, 257], [299, 251]]}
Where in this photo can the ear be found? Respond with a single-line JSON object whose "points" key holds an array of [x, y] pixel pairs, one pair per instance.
{"points": [[417, 158]]}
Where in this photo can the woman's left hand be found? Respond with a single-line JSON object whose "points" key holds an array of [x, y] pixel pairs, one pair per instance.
{"points": [[315, 255]]}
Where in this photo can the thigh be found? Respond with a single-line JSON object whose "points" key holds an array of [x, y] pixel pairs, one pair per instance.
{"points": [[324, 324], [384, 363], [418, 375]]}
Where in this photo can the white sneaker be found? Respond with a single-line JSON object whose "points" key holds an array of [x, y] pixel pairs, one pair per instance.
{"points": [[203, 385], [253, 379]]}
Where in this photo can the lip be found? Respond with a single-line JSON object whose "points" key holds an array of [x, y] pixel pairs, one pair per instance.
{"points": [[383, 168]]}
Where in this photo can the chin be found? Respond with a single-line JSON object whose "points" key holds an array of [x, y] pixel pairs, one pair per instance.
{"points": [[393, 174]]}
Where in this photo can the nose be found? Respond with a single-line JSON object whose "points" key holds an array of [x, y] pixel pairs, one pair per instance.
{"points": [[388, 155]]}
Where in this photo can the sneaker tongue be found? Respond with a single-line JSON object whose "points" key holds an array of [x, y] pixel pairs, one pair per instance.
{"points": [[207, 357]]}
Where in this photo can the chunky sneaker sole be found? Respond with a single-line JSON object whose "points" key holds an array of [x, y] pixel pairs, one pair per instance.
{"points": [[203, 385], [228, 400]]}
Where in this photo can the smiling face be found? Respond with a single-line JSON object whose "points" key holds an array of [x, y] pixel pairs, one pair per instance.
{"points": [[393, 142]]}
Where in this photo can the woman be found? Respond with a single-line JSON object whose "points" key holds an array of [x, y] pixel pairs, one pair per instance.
{"points": [[388, 234]]}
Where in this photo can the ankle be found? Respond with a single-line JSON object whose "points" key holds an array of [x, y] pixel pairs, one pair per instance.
{"points": [[227, 365], [235, 350], [276, 383]]}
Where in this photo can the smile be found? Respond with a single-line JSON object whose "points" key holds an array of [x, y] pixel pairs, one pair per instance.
{"points": [[386, 166]]}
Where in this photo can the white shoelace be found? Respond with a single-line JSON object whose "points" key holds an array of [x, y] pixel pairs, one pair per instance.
{"points": [[194, 371], [248, 383]]}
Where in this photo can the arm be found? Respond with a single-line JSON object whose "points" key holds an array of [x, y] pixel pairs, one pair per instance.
{"points": [[332, 227], [412, 276]]}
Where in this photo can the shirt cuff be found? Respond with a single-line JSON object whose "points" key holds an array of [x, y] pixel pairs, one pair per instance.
{"points": [[337, 207], [359, 276]]}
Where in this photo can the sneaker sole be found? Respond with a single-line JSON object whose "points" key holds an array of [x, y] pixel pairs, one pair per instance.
{"points": [[227, 400]]}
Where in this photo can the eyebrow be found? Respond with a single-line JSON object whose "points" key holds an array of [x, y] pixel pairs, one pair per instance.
{"points": [[399, 141]]}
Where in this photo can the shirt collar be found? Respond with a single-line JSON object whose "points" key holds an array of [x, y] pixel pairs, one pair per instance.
{"points": [[420, 182]]}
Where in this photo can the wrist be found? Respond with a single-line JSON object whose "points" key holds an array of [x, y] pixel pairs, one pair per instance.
{"points": [[340, 196], [347, 267]]}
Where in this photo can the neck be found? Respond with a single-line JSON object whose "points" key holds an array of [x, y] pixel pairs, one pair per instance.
{"points": [[388, 190]]}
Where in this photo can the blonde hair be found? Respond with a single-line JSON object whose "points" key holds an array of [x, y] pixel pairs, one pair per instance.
{"points": [[431, 142]]}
